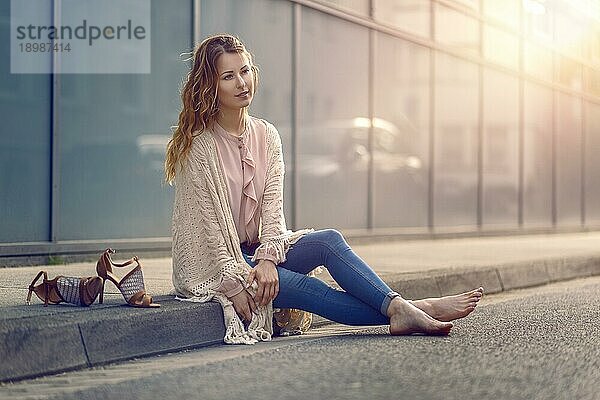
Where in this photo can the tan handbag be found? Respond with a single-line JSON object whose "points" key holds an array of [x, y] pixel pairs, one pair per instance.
{"points": [[289, 321]]}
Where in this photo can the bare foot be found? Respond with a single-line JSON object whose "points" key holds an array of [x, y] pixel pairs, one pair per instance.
{"points": [[406, 319], [449, 308]]}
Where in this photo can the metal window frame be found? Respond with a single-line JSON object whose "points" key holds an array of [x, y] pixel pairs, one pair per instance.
{"points": [[55, 134], [432, 114], [296, 102]]}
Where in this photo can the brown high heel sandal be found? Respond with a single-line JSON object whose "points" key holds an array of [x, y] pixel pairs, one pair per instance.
{"points": [[131, 285], [78, 291]]}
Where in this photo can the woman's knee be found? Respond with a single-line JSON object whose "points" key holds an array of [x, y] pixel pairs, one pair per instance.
{"points": [[330, 235]]}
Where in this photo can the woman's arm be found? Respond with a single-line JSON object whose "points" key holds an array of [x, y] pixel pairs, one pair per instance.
{"points": [[201, 258], [273, 227]]}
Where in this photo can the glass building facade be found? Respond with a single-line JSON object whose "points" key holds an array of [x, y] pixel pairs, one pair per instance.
{"points": [[412, 116]]}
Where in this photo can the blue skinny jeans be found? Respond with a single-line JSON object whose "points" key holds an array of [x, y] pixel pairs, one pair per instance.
{"points": [[365, 298]]}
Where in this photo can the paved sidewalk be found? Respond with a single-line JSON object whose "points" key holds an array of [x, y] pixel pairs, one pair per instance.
{"points": [[41, 340]]}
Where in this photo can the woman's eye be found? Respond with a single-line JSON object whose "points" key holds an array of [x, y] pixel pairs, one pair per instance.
{"points": [[245, 71], [228, 76]]}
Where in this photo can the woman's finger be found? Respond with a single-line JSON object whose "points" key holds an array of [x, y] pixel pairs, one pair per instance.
{"points": [[271, 293], [273, 288], [251, 277], [252, 304], [266, 294], [259, 294]]}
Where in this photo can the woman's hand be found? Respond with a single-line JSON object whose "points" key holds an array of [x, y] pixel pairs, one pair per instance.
{"points": [[244, 305], [265, 274]]}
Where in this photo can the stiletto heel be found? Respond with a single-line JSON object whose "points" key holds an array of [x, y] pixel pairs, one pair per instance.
{"points": [[131, 285], [78, 291], [101, 299]]}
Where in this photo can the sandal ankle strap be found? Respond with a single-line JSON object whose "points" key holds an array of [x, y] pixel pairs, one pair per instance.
{"points": [[33, 282]]}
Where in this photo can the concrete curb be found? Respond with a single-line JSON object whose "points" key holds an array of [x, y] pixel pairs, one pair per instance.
{"points": [[64, 341]]}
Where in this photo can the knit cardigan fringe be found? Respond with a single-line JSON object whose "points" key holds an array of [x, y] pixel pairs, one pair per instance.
{"points": [[206, 247]]}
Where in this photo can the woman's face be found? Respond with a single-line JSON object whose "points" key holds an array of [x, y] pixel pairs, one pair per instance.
{"points": [[235, 81]]}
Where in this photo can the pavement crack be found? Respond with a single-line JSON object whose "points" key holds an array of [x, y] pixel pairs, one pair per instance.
{"points": [[87, 357], [499, 279]]}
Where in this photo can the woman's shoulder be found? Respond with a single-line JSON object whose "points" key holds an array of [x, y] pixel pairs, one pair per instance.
{"points": [[200, 149], [271, 133], [200, 139], [269, 127]]}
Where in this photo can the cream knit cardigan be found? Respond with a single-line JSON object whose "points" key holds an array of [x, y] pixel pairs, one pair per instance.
{"points": [[206, 246]]}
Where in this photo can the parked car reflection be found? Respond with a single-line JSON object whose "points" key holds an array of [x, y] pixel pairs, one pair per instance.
{"points": [[333, 168], [331, 146]]}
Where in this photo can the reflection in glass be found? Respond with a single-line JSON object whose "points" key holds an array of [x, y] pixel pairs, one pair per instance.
{"points": [[537, 156], [114, 129], [274, 58], [569, 73], [401, 133], [500, 148], [332, 157], [538, 61], [25, 147], [408, 15], [506, 11], [538, 20], [568, 160], [456, 29], [569, 30], [359, 6], [501, 47], [592, 163], [592, 81], [472, 5], [455, 141], [591, 44]]}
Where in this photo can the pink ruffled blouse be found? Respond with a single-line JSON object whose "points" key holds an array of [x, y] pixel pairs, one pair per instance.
{"points": [[244, 161]]}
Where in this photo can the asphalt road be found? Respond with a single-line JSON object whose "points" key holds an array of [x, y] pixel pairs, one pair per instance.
{"points": [[538, 343]]}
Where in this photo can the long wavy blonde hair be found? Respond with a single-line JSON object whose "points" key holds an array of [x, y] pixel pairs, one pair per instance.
{"points": [[199, 97]]}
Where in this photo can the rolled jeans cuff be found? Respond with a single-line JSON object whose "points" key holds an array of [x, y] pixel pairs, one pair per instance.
{"points": [[387, 300]]}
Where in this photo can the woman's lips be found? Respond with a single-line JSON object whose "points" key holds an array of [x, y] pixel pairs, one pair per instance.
{"points": [[243, 94]]}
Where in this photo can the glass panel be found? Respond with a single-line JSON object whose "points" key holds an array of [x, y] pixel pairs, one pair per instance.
{"points": [[401, 133], [359, 6], [472, 5], [114, 129], [455, 141], [501, 47], [592, 163], [271, 45], [569, 30], [591, 43], [569, 73], [537, 155], [568, 161], [592, 81], [538, 21], [333, 156], [500, 148], [506, 11], [25, 147], [538, 61], [408, 15], [456, 29]]}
